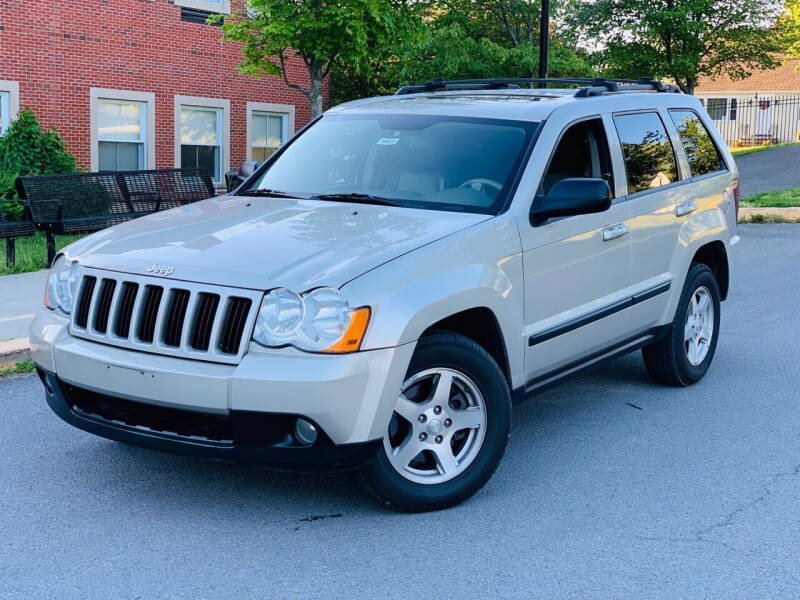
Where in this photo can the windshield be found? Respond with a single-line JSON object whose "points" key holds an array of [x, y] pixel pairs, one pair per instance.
{"points": [[419, 161]]}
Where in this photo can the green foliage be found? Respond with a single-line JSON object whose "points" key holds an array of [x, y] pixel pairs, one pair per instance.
{"points": [[11, 211], [322, 34], [466, 39], [32, 253], [20, 368], [683, 39], [782, 198], [26, 149]]}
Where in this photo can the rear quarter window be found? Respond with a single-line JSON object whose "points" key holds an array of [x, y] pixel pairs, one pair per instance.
{"points": [[648, 153], [701, 151]]}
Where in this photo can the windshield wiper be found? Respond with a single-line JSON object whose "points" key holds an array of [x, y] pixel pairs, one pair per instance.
{"points": [[358, 198], [266, 193]]}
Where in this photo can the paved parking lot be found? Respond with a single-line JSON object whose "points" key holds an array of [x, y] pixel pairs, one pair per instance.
{"points": [[611, 488]]}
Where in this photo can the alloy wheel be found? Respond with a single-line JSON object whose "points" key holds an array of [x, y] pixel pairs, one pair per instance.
{"points": [[438, 426], [699, 326]]}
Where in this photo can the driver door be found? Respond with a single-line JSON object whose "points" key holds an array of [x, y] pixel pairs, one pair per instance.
{"points": [[577, 268]]}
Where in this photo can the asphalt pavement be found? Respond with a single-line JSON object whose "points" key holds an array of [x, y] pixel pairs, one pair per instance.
{"points": [[769, 170], [612, 487], [20, 297]]}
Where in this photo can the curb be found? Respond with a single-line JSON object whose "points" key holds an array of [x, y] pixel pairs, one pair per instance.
{"points": [[13, 352], [791, 214]]}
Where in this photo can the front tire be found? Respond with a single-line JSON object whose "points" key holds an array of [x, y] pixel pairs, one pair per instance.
{"points": [[683, 356], [449, 429]]}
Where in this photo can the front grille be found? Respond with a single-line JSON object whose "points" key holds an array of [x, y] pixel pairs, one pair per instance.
{"points": [[154, 315], [235, 320], [129, 292], [159, 419], [152, 302], [85, 301], [104, 305], [175, 317]]}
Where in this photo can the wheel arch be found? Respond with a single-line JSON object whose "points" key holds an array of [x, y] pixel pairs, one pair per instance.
{"points": [[715, 257], [479, 324]]}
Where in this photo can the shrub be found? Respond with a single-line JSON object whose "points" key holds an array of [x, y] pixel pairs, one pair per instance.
{"points": [[26, 149]]}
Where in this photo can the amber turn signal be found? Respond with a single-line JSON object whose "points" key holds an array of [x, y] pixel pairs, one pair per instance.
{"points": [[351, 341]]}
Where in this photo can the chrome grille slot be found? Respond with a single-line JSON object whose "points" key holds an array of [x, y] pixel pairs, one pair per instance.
{"points": [[235, 319], [85, 301], [103, 310], [179, 301], [129, 292], [204, 320], [147, 324], [161, 316]]}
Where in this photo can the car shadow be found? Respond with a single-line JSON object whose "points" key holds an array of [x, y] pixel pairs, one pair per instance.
{"points": [[253, 493]]}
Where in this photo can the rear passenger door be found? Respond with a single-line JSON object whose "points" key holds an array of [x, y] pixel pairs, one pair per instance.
{"points": [[654, 190]]}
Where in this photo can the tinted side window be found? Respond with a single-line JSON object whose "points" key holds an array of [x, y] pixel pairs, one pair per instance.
{"points": [[700, 148], [649, 157], [581, 152]]}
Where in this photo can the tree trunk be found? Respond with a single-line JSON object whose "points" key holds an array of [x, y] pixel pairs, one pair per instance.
{"points": [[315, 72]]}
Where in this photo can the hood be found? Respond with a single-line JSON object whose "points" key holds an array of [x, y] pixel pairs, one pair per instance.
{"points": [[261, 243]]}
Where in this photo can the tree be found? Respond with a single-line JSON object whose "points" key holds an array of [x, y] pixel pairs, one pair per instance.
{"points": [[683, 39], [323, 34]]}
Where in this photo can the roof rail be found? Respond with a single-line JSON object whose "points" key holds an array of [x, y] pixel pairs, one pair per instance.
{"points": [[589, 86]]}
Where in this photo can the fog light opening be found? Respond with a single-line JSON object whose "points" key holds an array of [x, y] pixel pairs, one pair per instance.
{"points": [[305, 432]]}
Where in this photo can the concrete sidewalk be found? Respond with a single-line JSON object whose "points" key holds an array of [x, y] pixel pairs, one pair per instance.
{"points": [[20, 298]]}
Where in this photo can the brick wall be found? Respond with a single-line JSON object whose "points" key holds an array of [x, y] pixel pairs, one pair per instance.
{"points": [[58, 49]]}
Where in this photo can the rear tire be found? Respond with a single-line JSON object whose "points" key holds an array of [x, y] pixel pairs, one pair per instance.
{"points": [[449, 429], [683, 356]]}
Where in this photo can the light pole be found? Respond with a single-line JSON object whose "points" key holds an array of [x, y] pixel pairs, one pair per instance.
{"points": [[544, 40]]}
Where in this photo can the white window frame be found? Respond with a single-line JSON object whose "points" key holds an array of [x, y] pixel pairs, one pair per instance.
{"points": [[148, 101], [286, 111], [9, 97], [214, 6], [223, 107]]}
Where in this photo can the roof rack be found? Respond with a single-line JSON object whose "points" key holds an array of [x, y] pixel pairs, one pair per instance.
{"points": [[589, 86]]}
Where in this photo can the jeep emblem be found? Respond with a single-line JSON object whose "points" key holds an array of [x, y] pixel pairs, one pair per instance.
{"points": [[157, 269]]}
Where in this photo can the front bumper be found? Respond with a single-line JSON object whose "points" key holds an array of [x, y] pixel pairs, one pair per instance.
{"points": [[349, 398], [243, 436]]}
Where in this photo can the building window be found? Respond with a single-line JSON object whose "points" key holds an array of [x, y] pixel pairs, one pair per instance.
{"points": [[269, 126], [9, 104], [211, 6], [269, 134], [5, 112], [122, 130], [201, 138], [722, 109], [121, 135], [202, 135]]}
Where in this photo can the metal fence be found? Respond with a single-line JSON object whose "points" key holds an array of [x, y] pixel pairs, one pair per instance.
{"points": [[756, 120]]}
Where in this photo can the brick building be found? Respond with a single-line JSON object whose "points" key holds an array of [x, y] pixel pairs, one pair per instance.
{"points": [[141, 84]]}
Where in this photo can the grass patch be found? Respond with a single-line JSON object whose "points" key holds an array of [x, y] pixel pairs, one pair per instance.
{"points": [[21, 368], [32, 252], [779, 199], [739, 152]]}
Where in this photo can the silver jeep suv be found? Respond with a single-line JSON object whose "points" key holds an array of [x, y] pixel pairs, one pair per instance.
{"points": [[377, 294]]}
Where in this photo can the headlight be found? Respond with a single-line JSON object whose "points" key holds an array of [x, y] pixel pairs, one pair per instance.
{"points": [[319, 321], [62, 285]]}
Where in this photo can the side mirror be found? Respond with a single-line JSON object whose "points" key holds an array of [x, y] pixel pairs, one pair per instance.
{"points": [[572, 196]]}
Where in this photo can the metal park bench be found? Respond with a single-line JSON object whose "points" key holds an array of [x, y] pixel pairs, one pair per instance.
{"points": [[11, 230], [86, 202]]}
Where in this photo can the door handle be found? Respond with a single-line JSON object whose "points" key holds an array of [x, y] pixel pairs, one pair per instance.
{"points": [[615, 231], [685, 208]]}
